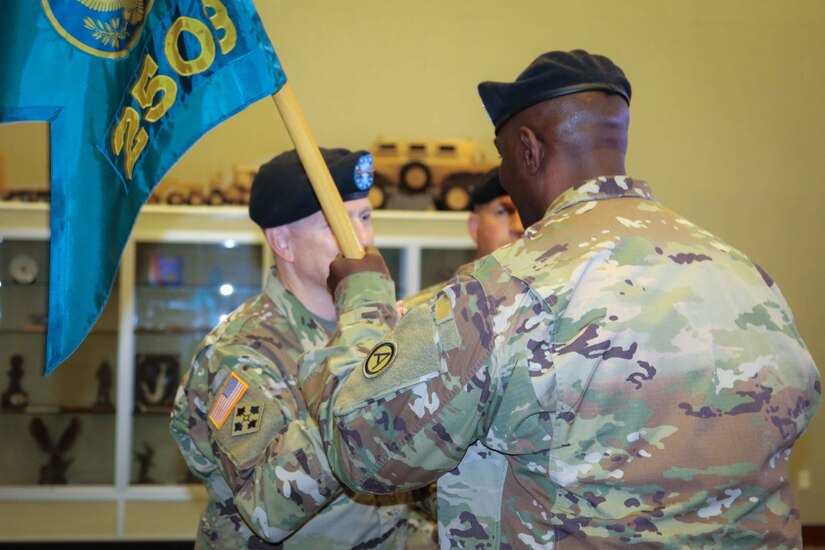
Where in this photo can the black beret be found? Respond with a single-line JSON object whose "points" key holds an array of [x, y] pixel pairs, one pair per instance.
{"points": [[487, 188], [552, 74], [281, 192]]}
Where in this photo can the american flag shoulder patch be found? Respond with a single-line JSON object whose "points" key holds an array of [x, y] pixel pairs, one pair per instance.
{"points": [[232, 391]]}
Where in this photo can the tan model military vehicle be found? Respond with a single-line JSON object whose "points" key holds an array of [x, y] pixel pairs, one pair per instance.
{"points": [[446, 169], [215, 193]]}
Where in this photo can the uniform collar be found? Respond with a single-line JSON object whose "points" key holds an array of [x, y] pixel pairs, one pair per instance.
{"points": [[289, 306], [601, 188]]}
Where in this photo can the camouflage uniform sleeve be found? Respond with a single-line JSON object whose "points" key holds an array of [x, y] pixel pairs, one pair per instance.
{"points": [[268, 450], [398, 407]]}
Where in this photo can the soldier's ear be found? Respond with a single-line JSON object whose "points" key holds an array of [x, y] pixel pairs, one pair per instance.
{"points": [[280, 242], [472, 226], [531, 150]]}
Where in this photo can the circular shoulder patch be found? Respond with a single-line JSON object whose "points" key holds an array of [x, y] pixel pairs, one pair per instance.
{"points": [[104, 28], [379, 358]]}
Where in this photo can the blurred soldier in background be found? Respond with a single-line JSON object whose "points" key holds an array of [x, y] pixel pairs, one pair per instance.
{"points": [[493, 222]]}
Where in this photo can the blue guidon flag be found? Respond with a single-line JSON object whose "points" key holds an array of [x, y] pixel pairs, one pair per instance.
{"points": [[127, 86]]}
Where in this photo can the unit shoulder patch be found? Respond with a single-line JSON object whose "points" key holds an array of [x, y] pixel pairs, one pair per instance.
{"points": [[379, 359], [247, 418]]}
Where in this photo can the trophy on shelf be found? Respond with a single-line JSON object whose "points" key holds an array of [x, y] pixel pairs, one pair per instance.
{"points": [[165, 270], [156, 381], [145, 463], [104, 387], [54, 471], [14, 397]]}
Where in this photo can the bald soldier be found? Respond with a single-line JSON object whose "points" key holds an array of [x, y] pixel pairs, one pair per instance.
{"points": [[618, 376], [239, 417]]}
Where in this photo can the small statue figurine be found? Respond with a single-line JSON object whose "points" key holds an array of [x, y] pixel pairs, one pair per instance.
{"points": [[145, 462], [157, 377], [54, 471], [104, 386], [14, 397]]}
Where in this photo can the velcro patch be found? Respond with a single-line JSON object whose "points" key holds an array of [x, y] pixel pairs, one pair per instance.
{"points": [[417, 359], [246, 445], [248, 417], [232, 391], [443, 309]]}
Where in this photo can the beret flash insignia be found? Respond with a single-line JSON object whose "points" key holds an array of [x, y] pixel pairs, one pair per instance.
{"points": [[363, 173]]}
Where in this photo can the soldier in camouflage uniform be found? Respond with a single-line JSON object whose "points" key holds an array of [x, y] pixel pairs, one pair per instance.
{"points": [[239, 418], [619, 376], [493, 222]]}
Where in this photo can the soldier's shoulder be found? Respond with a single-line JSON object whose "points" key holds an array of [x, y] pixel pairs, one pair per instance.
{"points": [[254, 321], [424, 295]]}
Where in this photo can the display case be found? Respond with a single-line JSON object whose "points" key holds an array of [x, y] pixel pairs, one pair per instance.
{"points": [[89, 445], [49, 427]]}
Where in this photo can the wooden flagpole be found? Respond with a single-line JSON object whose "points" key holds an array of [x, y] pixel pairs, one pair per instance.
{"points": [[319, 176]]}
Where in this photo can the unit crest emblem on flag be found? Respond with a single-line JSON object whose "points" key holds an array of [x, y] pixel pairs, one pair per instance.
{"points": [[104, 28]]}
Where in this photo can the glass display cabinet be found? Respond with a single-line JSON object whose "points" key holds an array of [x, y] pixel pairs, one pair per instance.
{"points": [[89, 446], [49, 427], [182, 290]]}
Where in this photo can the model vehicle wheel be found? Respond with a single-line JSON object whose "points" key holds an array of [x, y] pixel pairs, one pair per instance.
{"points": [[196, 198], [175, 198], [378, 195], [455, 196], [415, 177], [215, 198]]}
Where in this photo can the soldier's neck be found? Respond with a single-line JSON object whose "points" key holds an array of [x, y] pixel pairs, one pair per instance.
{"points": [[317, 300]]}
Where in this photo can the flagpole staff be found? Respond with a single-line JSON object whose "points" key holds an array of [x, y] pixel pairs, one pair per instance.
{"points": [[318, 172]]}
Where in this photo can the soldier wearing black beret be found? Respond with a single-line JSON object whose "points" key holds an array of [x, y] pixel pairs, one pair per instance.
{"points": [[494, 220], [552, 75], [239, 419], [572, 109], [603, 382], [283, 203], [281, 192]]}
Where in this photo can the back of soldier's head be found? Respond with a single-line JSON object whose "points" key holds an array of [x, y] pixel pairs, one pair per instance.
{"points": [[553, 75]]}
